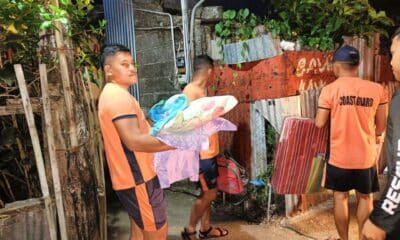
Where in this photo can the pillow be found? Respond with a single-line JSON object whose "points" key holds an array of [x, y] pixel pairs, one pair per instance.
{"points": [[198, 113]]}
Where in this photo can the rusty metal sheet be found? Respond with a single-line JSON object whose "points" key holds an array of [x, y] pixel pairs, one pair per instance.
{"points": [[368, 51], [308, 70], [281, 76], [383, 70], [239, 142], [309, 103]]}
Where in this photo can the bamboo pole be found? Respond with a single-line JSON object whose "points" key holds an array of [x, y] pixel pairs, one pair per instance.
{"points": [[37, 150], [52, 151], [66, 82]]}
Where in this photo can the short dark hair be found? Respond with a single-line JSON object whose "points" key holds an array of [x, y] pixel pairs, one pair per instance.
{"points": [[109, 50], [396, 33], [202, 62]]}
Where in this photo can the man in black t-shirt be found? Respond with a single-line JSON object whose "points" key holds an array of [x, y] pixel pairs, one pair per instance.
{"points": [[384, 221]]}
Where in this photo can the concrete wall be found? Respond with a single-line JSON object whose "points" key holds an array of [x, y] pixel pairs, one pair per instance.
{"points": [[154, 53]]}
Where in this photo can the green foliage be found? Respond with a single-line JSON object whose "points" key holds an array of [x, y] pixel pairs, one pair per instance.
{"points": [[271, 139], [73, 18], [237, 25], [19, 30], [23, 24], [320, 24], [260, 194], [360, 18], [23, 21]]}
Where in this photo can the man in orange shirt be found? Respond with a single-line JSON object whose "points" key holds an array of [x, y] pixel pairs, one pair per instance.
{"points": [[129, 147], [203, 71], [357, 112]]}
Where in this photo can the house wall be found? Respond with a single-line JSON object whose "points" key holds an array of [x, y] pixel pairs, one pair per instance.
{"points": [[154, 53], [158, 78]]}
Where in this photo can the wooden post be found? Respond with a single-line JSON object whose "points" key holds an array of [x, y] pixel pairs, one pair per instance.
{"points": [[66, 82], [97, 143], [52, 151], [36, 148]]}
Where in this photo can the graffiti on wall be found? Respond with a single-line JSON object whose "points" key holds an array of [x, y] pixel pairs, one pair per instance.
{"points": [[313, 72]]}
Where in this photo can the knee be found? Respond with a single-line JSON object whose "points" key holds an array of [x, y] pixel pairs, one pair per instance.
{"points": [[210, 195], [365, 197], [341, 196]]}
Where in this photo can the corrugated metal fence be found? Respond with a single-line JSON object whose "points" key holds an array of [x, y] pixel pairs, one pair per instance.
{"points": [[24, 220], [121, 28]]}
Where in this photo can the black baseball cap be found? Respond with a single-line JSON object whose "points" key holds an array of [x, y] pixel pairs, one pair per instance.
{"points": [[347, 54]]}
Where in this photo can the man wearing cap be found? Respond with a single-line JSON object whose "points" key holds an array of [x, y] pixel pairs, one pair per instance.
{"points": [[357, 112], [384, 221]]}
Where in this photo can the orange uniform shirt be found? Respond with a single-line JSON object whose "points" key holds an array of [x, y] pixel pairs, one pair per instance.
{"points": [[127, 168], [213, 147], [352, 103]]}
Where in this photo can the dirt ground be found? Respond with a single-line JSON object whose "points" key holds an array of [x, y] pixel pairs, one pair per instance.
{"points": [[178, 212], [316, 223], [179, 205]]}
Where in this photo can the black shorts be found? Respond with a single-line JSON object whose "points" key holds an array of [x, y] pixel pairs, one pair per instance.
{"points": [[343, 180], [208, 173]]}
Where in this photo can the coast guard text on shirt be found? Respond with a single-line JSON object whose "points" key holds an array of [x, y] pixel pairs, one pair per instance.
{"points": [[392, 200]]}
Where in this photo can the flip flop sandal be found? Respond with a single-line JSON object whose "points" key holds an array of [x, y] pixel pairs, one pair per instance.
{"points": [[188, 235], [207, 234]]}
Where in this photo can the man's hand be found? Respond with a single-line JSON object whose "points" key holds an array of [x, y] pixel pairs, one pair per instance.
{"points": [[372, 232]]}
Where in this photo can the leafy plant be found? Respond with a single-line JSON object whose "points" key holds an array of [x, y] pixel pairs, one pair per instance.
{"points": [[271, 141], [237, 26], [320, 24], [19, 30], [23, 21], [360, 18], [85, 35], [259, 191]]}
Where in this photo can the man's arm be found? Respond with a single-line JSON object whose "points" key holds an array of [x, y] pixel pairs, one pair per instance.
{"points": [[372, 232], [381, 119], [322, 117], [135, 140]]}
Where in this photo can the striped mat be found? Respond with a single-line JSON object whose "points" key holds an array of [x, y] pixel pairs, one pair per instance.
{"points": [[300, 142]]}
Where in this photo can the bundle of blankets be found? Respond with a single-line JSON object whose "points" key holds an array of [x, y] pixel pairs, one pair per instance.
{"points": [[187, 126]]}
